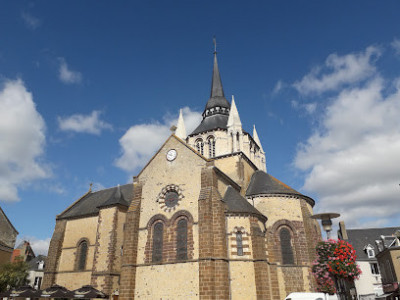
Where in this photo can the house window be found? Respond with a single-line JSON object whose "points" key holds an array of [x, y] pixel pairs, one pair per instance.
{"points": [[374, 268], [239, 243], [211, 147], [38, 282], [286, 247], [200, 146], [157, 242], [370, 253], [82, 255], [181, 240]]}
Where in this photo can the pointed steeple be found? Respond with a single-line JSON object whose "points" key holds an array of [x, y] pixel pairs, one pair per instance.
{"points": [[180, 131], [217, 97], [216, 84], [256, 138], [234, 122], [216, 112]]}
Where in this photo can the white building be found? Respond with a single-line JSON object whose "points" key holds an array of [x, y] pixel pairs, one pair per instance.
{"points": [[364, 242]]}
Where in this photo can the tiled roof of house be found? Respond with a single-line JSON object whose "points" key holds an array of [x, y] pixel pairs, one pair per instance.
{"points": [[360, 238]]}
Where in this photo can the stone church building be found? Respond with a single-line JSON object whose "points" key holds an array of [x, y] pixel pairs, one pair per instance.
{"points": [[202, 220]]}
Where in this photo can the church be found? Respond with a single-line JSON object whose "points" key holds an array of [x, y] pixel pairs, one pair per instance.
{"points": [[202, 220]]}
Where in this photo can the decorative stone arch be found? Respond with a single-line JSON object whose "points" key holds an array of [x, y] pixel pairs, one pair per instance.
{"points": [[155, 218], [275, 238], [170, 237], [81, 254]]}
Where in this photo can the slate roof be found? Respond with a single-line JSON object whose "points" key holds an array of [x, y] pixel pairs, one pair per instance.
{"points": [[359, 238], [217, 121], [34, 262], [236, 204], [89, 204], [263, 183]]}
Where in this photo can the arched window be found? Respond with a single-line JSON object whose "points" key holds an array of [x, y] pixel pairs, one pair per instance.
{"points": [[181, 240], [211, 147], [200, 146], [239, 243], [158, 231], [286, 247], [82, 255]]}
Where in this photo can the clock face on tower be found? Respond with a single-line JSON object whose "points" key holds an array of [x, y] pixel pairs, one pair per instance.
{"points": [[171, 155]]}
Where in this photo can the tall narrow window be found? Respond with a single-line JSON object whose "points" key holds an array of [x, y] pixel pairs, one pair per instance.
{"points": [[200, 146], [157, 242], [211, 147], [239, 243], [286, 247], [82, 254], [181, 240]]}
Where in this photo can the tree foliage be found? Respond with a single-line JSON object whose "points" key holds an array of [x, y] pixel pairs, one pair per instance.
{"points": [[13, 275], [334, 259]]}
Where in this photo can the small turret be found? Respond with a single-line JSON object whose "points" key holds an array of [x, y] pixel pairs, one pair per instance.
{"points": [[180, 131], [234, 123], [256, 138]]}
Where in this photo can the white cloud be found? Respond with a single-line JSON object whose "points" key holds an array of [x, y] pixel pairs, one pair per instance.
{"points": [[352, 161], [278, 87], [84, 123], [396, 46], [22, 136], [338, 71], [141, 141], [66, 75], [30, 21], [310, 108], [40, 247]]}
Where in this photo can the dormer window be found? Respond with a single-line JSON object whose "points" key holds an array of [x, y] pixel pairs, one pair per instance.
{"points": [[40, 265], [370, 251]]}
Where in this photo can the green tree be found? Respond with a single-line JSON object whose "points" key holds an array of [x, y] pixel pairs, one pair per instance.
{"points": [[13, 275]]}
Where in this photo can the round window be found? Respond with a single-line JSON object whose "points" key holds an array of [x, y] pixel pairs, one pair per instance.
{"points": [[171, 198]]}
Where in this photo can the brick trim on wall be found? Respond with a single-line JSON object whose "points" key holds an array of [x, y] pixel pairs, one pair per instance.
{"points": [[260, 267], [213, 254], [54, 254], [131, 238]]}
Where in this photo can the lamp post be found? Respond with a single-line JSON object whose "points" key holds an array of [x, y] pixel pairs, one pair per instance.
{"points": [[345, 289], [326, 221]]}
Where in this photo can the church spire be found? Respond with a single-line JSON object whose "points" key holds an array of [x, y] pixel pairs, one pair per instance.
{"points": [[216, 84], [180, 131], [217, 104]]}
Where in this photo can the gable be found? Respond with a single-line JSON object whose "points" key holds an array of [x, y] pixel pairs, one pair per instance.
{"points": [[182, 173]]}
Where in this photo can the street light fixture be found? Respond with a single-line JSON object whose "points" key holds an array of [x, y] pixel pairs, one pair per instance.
{"points": [[326, 221]]}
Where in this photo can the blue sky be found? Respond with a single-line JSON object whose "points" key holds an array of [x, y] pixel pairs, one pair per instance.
{"points": [[88, 90]]}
